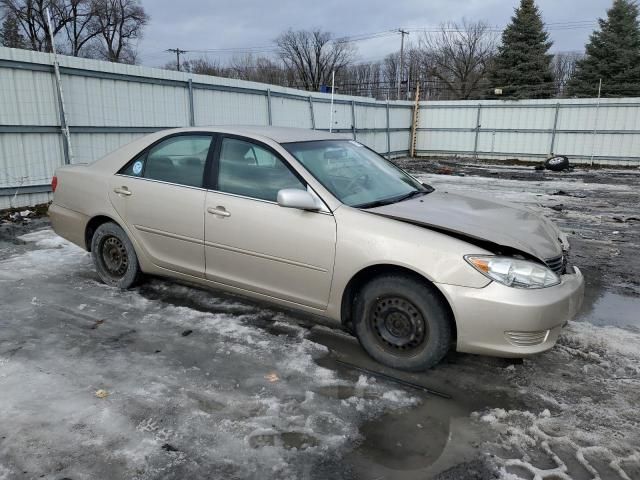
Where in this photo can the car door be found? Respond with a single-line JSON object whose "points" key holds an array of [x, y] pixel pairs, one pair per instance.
{"points": [[160, 196], [253, 243]]}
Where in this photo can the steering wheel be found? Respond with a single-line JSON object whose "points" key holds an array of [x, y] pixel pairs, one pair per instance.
{"points": [[359, 179]]}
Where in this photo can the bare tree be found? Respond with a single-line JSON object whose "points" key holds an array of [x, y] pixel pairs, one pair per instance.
{"points": [[119, 23], [81, 27], [261, 69], [390, 68], [313, 55], [201, 66], [32, 18], [564, 66], [459, 56], [360, 79]]}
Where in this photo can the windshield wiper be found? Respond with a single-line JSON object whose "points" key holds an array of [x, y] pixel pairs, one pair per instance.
{"points": [[409, 195], [389, 201]]}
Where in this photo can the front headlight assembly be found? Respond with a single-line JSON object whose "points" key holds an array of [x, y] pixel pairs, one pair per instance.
{"points": [[513, 272]]}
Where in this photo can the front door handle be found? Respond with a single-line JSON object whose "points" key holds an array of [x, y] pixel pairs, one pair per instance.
{"points": [[220, 211], [122, 191]]}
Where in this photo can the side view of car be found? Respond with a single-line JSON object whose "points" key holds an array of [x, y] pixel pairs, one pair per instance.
{"points": [[320, 223]]}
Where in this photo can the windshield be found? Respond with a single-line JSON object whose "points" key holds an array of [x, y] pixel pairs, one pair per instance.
{"points": [[355, 175]]}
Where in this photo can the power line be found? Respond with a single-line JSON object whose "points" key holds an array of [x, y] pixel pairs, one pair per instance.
{"points": [[177, 51]]}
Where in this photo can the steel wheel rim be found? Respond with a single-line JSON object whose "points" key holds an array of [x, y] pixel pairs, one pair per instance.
{"points": [[114, 257], [556, 160], [398, 326]]}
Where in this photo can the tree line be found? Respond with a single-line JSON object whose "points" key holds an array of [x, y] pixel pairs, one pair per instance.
{"points": [[102, 29], [466, 60], [460, 61]]}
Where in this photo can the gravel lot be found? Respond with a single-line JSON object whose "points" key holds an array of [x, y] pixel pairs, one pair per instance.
{"points": [[172, 381]]}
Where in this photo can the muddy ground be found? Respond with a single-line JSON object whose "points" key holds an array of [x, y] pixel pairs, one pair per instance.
{"points": [[172, 381]]}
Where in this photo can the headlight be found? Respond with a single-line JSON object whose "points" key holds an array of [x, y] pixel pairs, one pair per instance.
{"points": [[513, 272]]}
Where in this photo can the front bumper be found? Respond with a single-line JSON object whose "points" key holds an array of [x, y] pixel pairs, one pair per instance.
{"points": [[511, 322]]}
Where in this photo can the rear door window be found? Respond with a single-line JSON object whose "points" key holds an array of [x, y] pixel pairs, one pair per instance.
{"points": [[179, 159]]}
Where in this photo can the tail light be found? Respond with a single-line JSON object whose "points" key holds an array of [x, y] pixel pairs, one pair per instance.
{"points": [[54, 183]]}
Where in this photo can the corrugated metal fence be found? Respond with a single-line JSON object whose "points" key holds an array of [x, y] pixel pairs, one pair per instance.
{"points": [[605, 131], [108, 105]]}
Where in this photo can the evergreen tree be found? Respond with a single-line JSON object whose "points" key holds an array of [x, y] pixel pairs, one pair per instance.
{"points": [[522, 67], [612, 54], [10, 35]]}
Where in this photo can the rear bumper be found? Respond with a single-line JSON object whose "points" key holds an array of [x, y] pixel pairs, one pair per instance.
{"points": [[69, 224], [511, 322]]}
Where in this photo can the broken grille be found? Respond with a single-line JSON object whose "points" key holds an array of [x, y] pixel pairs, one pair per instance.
{"points": [[557, 264]]}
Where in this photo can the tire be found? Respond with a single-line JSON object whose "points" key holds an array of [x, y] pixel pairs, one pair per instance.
{"points": [[557, 163], [402, 323], [114, 257]]}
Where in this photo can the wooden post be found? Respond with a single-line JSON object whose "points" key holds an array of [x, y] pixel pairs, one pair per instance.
{"points": [[414, 125]]}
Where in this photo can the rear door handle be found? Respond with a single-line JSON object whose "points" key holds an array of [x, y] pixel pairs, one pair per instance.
{"points": [[220, 211], [122, 191]]}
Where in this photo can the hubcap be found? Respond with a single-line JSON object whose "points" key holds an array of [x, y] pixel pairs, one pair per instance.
{"points": [[114, 257], [398, 325]]}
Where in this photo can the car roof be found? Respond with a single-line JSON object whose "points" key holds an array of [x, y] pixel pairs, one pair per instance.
{"points": [[277, 134]]}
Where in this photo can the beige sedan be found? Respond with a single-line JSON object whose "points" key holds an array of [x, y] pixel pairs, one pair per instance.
{"points": [[320, 223]]}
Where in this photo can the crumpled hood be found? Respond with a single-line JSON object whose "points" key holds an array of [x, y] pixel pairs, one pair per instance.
{"points": [[481, 218]]}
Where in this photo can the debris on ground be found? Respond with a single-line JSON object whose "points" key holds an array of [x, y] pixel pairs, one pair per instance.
{"points": [[186, 333], [101, 393], [569, 194], [625, 220], [557, 163], [97, 324]]}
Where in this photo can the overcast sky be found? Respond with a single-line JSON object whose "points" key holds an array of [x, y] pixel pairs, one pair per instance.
{"points": [[207, 25]]}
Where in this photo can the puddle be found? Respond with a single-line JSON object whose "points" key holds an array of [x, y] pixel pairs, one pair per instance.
{"points": [[408, 440], [342, 392], [614, 309], [288, 440]]}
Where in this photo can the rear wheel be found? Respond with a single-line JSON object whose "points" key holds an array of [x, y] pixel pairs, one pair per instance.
{"points": [[402, 323], [114, 256]]}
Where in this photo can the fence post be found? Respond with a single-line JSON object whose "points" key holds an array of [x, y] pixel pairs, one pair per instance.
{"points": [[475, 142], [388, 134], [64, 125], [269, 106], [553, 131], [192, 118], [313, 117], [353, 118]]}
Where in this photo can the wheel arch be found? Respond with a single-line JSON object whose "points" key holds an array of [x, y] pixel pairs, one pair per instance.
{"points": [[357, 282], [92, 226]]}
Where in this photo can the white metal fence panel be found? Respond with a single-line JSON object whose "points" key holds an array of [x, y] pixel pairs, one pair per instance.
{"points": [[109, 105], [288, 112], [605, 131]]}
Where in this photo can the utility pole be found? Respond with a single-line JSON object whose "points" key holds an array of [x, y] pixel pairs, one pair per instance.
{"points": [[402, 34], [177, 51]]}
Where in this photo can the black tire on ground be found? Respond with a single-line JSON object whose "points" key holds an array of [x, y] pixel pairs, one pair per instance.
{"points": [[557, 163], [114, 256], [402, 323]]}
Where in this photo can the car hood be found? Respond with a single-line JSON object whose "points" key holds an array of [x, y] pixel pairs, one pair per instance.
{"points": [[481, 218]]}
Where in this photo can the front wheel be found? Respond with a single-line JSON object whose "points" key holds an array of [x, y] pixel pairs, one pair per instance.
{"points": [[114, 256], [402, 323]]}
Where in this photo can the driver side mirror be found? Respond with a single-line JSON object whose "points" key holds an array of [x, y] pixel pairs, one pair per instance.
{"points": [[296, 198]]}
